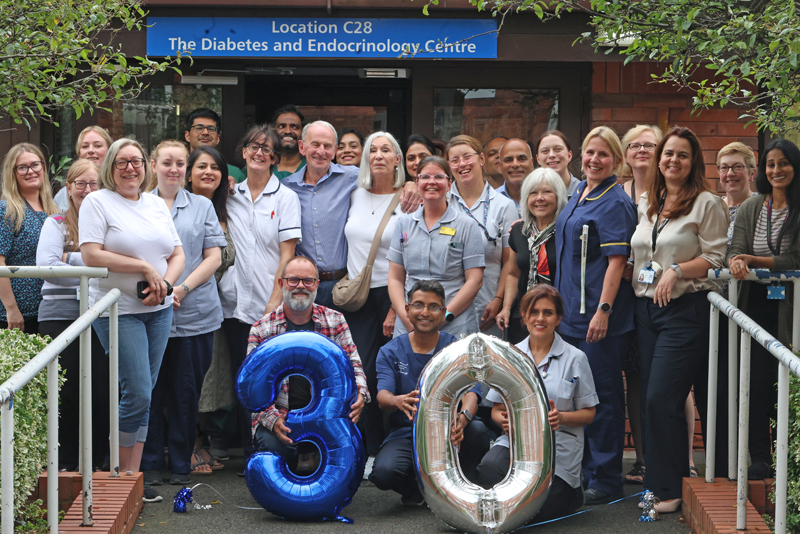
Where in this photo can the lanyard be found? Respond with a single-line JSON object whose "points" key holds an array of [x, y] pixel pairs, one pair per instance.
{"points": [[656, 228], [485, 216], [775, 252]]}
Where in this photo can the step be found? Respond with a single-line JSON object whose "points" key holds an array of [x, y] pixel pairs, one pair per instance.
{"points": [[115, 507], [711, 508]]}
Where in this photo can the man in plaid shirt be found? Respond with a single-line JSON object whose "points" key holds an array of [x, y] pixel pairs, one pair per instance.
{"points": [[299, 282]]}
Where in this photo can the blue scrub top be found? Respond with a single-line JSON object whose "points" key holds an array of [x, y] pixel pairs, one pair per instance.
{"points": [[611, 216]]}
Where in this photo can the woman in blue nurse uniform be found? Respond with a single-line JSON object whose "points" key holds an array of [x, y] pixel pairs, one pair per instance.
{"points": [[598, 305]]}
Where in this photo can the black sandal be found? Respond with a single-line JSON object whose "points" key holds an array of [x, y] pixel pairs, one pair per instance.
{"points": [[636, 475]]}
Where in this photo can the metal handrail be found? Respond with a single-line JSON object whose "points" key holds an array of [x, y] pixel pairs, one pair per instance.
{"points": [[48, 358], [787, 362]]}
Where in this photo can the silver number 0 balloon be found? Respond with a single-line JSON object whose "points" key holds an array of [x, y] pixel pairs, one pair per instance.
{"points": [[516, 499]]}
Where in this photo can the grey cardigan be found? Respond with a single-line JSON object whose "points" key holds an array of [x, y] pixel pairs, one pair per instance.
{"points": [[744, 229]]}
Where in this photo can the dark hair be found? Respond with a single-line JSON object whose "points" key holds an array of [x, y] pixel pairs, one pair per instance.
{"points": [[436, 160], [695, 182], [547, 134], [428, 286], [539, 292], [492, 139], [203, 113], [288, 108], [258, 131], [791, 153], [220, 197], [420, 139], [348, 130]]}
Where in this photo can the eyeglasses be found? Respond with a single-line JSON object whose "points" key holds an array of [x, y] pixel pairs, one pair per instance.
{"points": [[649, 147], [293, 281], [80, 186], [122, 164], [36, 166], [254, 148], [723, 169], [198, 128], [419, 306], [434, 177], [466, 158]]}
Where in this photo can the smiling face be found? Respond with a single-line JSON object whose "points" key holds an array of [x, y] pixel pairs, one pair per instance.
{"points": [[128, 180], [89, 178], [780, 172], [639, 160], [93, 147], [170, 167], [206, 176], [553, 153], [205, 137], [319, 148], [382, 159], [416, 153], [541, 319], [597, 160], [349, 150], [542, 203], [515, 161], [433, 183], [258, 162], [423, 320], [736, 184], [30, 182], [289, 128], [676, 161], [468, 168]]}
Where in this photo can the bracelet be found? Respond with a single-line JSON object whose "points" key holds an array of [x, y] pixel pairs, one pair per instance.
{"points": [[496, 297]]}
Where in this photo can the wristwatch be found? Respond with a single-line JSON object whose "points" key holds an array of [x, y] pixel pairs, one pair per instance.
{"points": [[605, 307], [466, 414], [677, 269], [448, 316], [169, 288]]}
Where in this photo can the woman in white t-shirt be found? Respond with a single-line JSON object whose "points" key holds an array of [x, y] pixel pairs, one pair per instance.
{"points": [[132, 234], [381, 175]]}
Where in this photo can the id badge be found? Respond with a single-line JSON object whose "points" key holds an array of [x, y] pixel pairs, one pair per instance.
{"points": [[646, 276]]}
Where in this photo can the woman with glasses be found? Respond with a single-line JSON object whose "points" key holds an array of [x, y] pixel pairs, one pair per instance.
{"points": [[197, 314], [133, 236], [26, 202], [737, 168], [264, 223], [472, 195], [58, 247], [92, 144], [553, 151], [437, 242]]}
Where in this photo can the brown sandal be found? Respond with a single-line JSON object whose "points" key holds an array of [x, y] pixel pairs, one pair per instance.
{"points": [[213, 462], [636, 475]]}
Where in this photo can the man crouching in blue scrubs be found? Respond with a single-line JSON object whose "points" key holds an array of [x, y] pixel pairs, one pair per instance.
{"points": [[399, 365]]}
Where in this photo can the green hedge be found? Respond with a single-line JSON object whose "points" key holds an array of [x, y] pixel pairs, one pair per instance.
{"points": [[30, 413], [793, 494]]}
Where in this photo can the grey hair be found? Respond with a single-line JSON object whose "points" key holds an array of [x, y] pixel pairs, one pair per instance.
{"points": [[542, 175], [304, 135], [364, 174]]}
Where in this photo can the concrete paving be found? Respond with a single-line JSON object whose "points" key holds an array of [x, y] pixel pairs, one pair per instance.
{"points": [[374, 512]]}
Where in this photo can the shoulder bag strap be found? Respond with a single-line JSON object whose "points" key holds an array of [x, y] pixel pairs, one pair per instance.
{"points": [[376, 241]]}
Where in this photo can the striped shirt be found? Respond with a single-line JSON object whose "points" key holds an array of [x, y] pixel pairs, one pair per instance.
{"points": [[328, 323], [760, 246]]}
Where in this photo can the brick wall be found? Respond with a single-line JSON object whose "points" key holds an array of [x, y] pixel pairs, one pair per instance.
{"points": [[623, 96]]}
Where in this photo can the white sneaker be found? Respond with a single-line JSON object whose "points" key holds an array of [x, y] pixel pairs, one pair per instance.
{"points": [[368, 467]]}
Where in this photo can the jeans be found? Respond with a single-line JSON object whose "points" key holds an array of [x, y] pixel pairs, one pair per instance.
{"points": [[142, 340]]}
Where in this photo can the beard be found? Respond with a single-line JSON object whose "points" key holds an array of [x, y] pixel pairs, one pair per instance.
{"points": [[290, 149], [298, 299]]}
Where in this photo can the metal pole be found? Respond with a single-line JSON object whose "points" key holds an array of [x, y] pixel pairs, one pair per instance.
{"points": [[113, 386], [733, 379], [86, 407], [744, 424], [7, 463], [52, 446], [713, 365]]}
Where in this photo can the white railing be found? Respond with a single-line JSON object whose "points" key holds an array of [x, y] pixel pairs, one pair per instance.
{"points": [[48, 359], [787, 361]]}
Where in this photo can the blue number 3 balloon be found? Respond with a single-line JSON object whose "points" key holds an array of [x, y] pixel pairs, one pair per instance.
{"points": [[322, 495]]}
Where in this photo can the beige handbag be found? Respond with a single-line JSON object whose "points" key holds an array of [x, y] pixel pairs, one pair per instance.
{"points": [[350, 295]]}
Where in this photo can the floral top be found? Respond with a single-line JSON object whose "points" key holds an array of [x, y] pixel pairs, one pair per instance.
{"points": [[20, 249]]}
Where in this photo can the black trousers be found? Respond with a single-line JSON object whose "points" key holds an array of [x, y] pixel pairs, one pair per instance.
{"points": [[236, 334], [673, 344], [366, 328]]}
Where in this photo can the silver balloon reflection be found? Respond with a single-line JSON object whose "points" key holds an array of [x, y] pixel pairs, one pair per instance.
{"points": [[461, 504]]}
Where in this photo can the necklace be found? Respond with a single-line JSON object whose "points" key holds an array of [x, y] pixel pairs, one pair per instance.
{"points": [[374, 209]]}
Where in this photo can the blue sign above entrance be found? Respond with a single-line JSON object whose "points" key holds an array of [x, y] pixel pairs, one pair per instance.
{"points": [[310, 38]]}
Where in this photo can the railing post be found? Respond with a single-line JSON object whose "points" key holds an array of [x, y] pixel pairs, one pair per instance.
{"points": [[744, 425], [733, 379], [713, 366], [52, 446], [113, 386], [7, 464], [85, 345]]}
